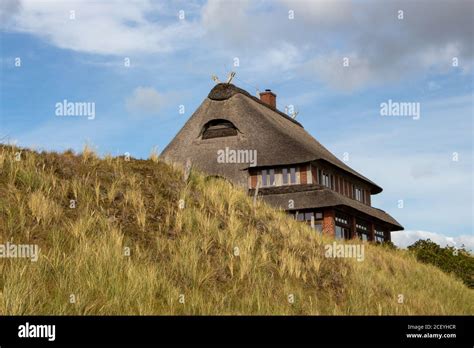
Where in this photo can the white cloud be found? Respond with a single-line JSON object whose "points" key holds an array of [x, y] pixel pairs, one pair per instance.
{"points": [[145, 101], [407, 238], [330, 68], [381, 47], [103, 27]]}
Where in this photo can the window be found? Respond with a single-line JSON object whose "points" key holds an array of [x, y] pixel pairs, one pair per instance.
{"points": [[342, 232], [318, 222], [342, 227], [284, 174], [264, 178], [272, 177], [268, 177], [362, 231], [325, 180], [379, 236], [218, 128], [293, 175], [314, 219], [358, 194]]}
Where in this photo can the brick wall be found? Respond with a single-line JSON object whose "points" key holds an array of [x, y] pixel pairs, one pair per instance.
{"points": [[253, 179], [328, 222]]}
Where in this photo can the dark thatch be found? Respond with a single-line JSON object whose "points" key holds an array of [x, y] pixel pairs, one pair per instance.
{"points": [[277, 138], [323, 197]]}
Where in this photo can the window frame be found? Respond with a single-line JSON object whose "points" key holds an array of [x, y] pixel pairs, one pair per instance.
{"points": [[264, 175], [293, 176], [284, 174], [379, 236], [271, 174], [210, 130], [326, 179]]}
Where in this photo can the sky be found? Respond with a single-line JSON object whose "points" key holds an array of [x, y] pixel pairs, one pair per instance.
{"points": [[336, 62]]}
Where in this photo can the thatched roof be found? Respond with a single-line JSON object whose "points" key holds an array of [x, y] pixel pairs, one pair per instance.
{"points": [[315, 196], [278, 139]]}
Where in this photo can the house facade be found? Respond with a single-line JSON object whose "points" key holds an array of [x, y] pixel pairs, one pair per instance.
{"points": [[248, 141]]}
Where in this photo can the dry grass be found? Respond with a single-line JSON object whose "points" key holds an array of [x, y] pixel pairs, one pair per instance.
{"points": [[154, 154], [127, 248], [42, 208]]}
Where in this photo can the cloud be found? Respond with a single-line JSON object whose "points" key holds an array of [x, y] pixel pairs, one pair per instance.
{"points": [[407, 238], [102, 27], [8, 9], [381, 47], [145, 101], [330, 68]]}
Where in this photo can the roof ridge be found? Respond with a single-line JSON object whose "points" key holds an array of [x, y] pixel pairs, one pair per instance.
{"points": [[224, 91]]}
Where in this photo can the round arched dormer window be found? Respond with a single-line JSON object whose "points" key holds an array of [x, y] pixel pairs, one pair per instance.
{"points": [[218, 128]]}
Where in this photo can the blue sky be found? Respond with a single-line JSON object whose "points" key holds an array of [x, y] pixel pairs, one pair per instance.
{"points": [[407, 59]]}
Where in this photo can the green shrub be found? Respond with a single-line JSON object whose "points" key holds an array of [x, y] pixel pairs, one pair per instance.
{"points": [[449, 259]]}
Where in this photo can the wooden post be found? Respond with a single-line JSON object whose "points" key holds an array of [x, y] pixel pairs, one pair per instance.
{"points": [[353, 227], [371, 231]]}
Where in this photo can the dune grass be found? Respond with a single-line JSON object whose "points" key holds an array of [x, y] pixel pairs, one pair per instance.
{"points": [[120, 236]]}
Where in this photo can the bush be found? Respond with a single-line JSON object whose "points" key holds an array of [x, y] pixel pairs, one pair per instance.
{"points": [[449, 259]]}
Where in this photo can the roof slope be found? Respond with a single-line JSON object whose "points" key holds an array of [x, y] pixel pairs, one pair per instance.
{"points": [[278, 139], [323, 197]]}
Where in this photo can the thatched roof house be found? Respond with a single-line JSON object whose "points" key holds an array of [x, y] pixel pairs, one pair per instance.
{"points": [[248, 141]]}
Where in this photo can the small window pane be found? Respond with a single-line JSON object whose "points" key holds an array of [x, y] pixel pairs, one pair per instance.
{"points": [[293, 175], [284, 173], [264, 178], [379, 236], [272, 177]]}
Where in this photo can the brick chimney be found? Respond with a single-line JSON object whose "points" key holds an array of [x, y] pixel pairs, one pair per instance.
{"points": [[269, 98]]}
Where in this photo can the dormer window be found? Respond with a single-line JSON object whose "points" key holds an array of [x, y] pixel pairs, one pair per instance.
{"points": [[218, 128]]}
